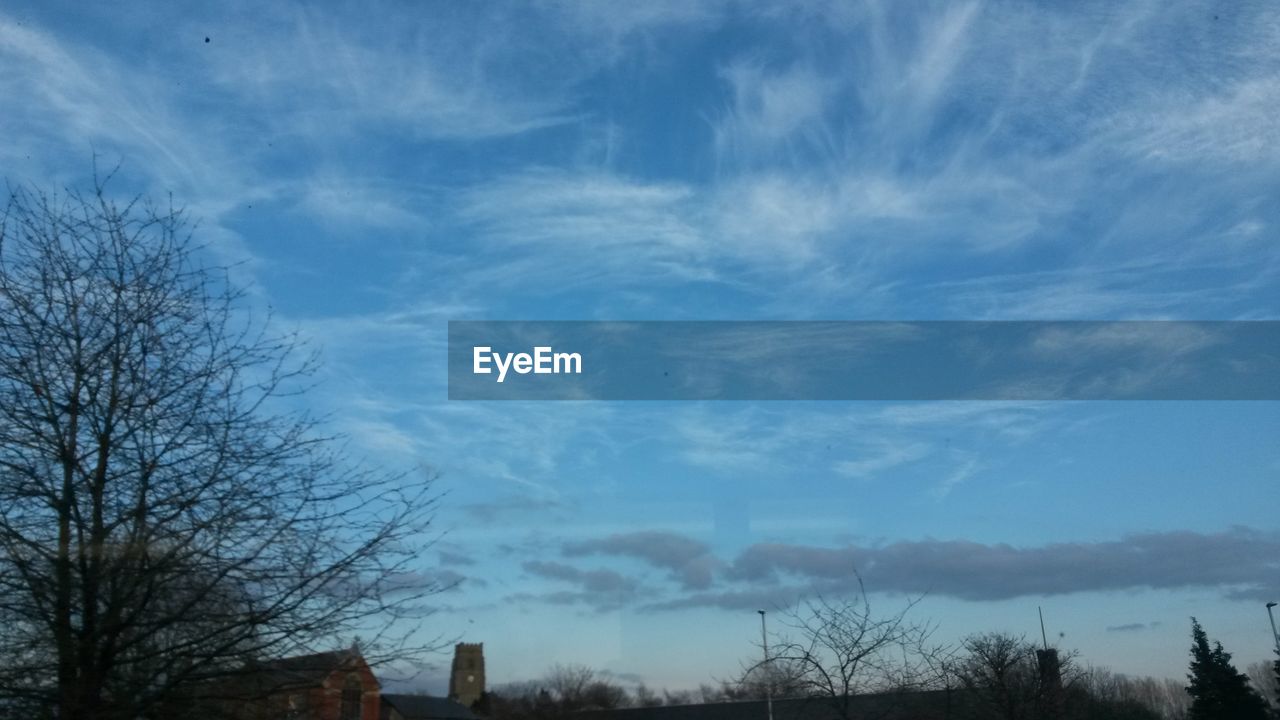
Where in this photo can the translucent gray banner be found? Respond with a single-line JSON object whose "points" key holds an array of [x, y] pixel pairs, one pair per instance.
{"points": [[1155, 360]]}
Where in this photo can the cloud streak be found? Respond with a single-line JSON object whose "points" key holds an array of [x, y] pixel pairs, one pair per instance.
{"points": [[689, 561], [1240, 563]]}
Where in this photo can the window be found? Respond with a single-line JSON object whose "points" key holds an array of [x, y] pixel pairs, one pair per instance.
{"points": [[351, 699]]}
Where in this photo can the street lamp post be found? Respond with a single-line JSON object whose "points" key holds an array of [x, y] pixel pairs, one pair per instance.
{"points": [[768, 681], [1274, 636]]}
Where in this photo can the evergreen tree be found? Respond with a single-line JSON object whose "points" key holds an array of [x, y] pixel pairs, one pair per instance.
{"points": [[1218, 691]]}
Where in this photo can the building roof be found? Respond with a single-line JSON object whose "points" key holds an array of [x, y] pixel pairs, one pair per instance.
{"points": [[315, 667], [303, 670], [256, 680], [425, 707]]}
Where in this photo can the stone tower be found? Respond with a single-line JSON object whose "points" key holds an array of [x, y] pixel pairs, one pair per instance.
{"points": [[466, 682]]}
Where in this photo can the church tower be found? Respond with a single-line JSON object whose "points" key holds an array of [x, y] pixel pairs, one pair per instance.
{"points": [[466, 682]]}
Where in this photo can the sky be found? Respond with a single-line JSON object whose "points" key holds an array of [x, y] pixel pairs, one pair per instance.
{"points": [[375, 170]]}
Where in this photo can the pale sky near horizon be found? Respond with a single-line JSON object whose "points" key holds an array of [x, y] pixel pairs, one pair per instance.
{"points": [[379, 169]]}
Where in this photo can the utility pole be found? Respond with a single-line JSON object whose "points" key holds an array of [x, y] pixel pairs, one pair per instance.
{"points": [[1274, 635], [1043, 638], [768, 679]]}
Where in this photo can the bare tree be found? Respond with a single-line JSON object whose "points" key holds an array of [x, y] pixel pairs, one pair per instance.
{"points": [[841, 649], [646, 697], [577, 687], [167, 513], [685, 697], [1263, 677], [1000, 677], [1171, 699], [1100, 693], [569, 683], [779, 677], [1162, 697], [1005, 676], [562, 692]]}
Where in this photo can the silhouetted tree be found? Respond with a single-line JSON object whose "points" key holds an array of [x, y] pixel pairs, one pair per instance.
{"points": [[165, 514], [1262, 676], [644, 697], [998, 672], [1099, 694], [781, 677], [577, 687], [1165, 698], [1218, 691], [1004, 676], [563, 691], [840, 649], [681, 697]]}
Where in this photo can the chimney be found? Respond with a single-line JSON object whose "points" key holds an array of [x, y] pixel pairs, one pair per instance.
{"points": [[1051, 694]]}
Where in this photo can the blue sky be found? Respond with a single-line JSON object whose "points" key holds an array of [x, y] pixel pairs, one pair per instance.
{"points": [[379, 169]]}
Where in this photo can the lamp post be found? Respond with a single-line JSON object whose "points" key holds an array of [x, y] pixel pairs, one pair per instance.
{"points": [[1274, 636], [768, 681]]}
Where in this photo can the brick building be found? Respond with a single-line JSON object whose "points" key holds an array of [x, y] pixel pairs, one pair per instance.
{"points": [[323, 686], [335, 685]]}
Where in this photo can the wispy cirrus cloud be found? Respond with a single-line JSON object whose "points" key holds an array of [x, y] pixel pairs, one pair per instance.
{"points": [[80, 104], [771, 113], [325, 74], [860, 443], [882, 455], [600, 225], [968, 467], [988, 150]]}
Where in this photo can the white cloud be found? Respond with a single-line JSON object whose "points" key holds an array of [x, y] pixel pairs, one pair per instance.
{"points": [[585, 228], [881, 456], [1237, 125], [769, 111], [969, 467], [324, 75]]}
